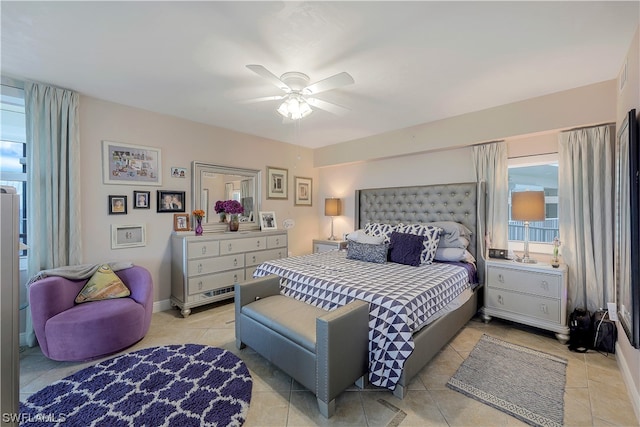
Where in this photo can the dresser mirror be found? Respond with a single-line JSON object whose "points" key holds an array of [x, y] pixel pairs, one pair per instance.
{"points": [[211, 183]]}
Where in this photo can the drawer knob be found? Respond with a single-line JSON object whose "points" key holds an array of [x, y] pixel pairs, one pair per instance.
{"points": [[235, 278], [545, 285], [253, 259], [229, 247], [235, 262], [500, 278], [204, 250], [200, 268], [258, 243], [544, 309], [200, 285], [279, 255], [500, 300], [277, 241]]}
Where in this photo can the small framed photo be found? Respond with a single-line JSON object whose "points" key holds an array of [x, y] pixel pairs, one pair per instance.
{"points": [[127, 236], [178, 172], [171, 201], [268, 221], [277, 179], [181, 222], [141, 199], [303, 188], [117, 205]]}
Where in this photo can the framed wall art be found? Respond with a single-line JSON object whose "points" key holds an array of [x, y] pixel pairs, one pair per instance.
{"points": [[268, 221], [303, 191], [127, 236], [131, 164], [178, 172], [277, 179], [117, 205], [181, 222], [171, 201], [141, 199]]}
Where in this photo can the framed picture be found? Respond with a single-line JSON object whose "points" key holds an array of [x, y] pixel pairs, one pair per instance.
{"points": [[268, 221], [181, 222], [171, 201], [178, 172], [141, 199], [127, 236], [117, 205], [277, 179], [303, 188], [131, 164]]}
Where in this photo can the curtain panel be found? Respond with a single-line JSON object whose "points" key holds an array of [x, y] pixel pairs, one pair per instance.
{"points": [[586, 214], [491, 167], [53, 177]]}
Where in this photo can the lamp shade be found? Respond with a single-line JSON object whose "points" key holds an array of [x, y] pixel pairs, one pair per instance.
{"points": [[332, 207], [527, 206]]}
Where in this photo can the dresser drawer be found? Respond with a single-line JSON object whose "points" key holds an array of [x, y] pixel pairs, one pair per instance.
{"points": [[535, 283], [212, 295], [203, 249], [211, 265], [233, 246], [209, 282], [276, 241], [257, 258], [527, 305]]}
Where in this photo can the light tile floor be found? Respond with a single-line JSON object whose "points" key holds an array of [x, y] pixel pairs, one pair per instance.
{"points": [[595, 392]]}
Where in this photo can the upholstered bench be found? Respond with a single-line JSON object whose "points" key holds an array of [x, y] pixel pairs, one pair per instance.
{"points": [[325, 351]]}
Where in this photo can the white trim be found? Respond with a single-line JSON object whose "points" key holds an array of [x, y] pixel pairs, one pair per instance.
{"points": [[634, 395], [163, 305]]}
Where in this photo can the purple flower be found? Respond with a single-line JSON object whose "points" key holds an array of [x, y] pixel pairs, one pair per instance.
{"points": [[229, 206]]}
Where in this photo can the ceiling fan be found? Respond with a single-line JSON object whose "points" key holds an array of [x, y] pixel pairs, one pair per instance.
{"points": [[298, 95]]}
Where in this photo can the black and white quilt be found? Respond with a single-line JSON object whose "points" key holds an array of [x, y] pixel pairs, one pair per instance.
{"points": [[401, 298]]}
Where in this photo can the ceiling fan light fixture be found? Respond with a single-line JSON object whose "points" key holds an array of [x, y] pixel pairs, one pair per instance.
{"points": [[295, 108]]}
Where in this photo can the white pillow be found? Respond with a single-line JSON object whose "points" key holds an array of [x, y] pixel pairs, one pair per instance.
{"points": [[454, 254], [360, 236]]}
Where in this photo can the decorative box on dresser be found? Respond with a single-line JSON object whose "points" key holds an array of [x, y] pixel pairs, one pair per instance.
{"points": [[205, 268], [323, 245], [532, 294]]}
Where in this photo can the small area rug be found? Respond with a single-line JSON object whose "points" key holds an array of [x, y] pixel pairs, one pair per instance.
{"points": [[174, 385], [522, 382]]}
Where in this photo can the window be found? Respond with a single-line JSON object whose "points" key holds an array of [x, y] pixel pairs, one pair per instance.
{"points": [[535, 173], [13, 148]]}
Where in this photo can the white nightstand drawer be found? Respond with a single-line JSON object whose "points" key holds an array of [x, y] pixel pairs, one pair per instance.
{"points": [[528, 305], [204, 248], [213, 281], [211, 265], [546, 285]]}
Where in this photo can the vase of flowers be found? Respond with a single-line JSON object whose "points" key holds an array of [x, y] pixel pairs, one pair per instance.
{"points": [[230, 208], [198, 214], [555, 261]]}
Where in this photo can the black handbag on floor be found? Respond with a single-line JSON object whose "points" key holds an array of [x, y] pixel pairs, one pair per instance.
{"points": [[580, 332], [605, 332]]}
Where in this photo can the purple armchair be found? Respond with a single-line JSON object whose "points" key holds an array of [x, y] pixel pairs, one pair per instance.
{"points": [[68, 331]]}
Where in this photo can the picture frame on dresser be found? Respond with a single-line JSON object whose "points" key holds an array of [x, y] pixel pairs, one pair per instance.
{"points": [[181, 222], [268, 220]]}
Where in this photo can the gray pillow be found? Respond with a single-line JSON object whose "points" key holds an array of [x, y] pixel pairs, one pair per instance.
{"points": [[367, 252], [361, 237]]}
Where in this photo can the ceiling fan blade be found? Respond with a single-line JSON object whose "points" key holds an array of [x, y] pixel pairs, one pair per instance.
{"points": [[262, 99], [272, 78], [328, 106], [333, 82]]}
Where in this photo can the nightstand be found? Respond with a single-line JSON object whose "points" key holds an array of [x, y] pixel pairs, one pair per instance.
{"points": [[323, 245], [532, 294]]}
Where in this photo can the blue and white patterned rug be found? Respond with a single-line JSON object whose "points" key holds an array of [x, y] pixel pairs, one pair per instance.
{"points": [[525, 383], [175, 385]]}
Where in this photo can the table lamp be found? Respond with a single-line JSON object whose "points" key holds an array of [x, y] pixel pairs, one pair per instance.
{"points": [[527, 206], [332, 207]]}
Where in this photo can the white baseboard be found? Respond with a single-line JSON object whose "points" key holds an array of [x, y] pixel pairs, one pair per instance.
{"points": [[628, 381], [163, 305]]}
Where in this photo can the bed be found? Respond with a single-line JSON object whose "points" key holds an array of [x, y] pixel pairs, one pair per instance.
{"points": [[400, 343]]}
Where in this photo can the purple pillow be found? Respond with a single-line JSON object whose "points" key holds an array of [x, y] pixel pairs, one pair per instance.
{"points": [[405, 248]]}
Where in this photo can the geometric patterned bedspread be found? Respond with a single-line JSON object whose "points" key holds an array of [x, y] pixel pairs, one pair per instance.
{"points": [[400, 297]]}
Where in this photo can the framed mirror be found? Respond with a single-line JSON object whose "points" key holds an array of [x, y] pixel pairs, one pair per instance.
{"points": [[211, 183], [627, 237]]}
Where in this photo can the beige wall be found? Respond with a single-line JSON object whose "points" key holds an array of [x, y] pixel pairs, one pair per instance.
{"points": [[181, 142], [629, 98]]}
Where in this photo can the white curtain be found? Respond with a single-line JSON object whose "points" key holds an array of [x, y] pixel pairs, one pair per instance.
{"points": [[53, 177], [586, 213], [491, 167]]}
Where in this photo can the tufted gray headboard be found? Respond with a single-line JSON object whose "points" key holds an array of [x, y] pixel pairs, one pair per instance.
{"points": [[418, 204]]}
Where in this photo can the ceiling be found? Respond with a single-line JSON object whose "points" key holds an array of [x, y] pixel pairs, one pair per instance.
{"points": [[412, 62]]}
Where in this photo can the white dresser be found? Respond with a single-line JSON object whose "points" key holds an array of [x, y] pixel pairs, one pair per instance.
{"points": [[532, 294], [205, 268]]}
